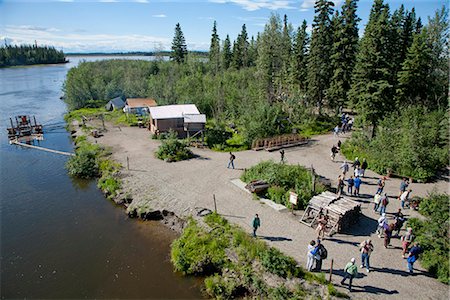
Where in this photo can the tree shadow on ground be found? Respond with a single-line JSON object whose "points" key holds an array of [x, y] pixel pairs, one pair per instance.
{"points": [[364, 227], [199, 157], [274, 238], [231, 216]]}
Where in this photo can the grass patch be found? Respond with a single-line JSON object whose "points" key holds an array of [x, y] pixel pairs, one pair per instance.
{"points": [[284, 178], [332, 291]]}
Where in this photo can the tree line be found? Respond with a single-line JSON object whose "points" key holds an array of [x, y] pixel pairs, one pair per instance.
{"points": [[29, 55]]}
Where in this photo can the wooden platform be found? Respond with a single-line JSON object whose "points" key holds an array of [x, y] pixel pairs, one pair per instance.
{"points": [[279, 142], [342, 212]]}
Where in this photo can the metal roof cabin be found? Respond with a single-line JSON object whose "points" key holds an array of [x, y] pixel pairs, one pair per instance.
{"points": [[116, 103], [185, 119], [139, 106]]}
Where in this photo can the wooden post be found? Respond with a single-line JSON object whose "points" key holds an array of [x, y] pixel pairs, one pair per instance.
{"points": [[128, 163], [215, 204], [313, 176], [331, 270]]}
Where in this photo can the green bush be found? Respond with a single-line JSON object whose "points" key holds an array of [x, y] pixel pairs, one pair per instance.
{"points": [[432, 234], [277, 263], [172, 149], [286, 177], [412, 143], [84, 164]]}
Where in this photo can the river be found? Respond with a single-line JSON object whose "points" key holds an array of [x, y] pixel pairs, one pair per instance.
{"points": [[60, 238]]}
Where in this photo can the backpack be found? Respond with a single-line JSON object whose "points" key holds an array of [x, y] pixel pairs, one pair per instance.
{"points": [[385, 201], [233, 157], [323, 253]]}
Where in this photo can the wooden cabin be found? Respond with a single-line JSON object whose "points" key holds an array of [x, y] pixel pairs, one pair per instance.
{"points": [[139, 106]]}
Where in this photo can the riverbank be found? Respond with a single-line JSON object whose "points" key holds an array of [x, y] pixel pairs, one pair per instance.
{"points": [[186, 186]]}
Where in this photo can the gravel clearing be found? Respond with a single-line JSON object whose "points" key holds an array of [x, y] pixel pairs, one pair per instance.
{"points": [[182, 187]]}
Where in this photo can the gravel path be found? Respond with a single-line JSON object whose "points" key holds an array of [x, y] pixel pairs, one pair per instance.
{"points": [[182, 186]]}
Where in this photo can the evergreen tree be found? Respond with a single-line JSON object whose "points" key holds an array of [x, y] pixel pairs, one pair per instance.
{"points": [[270, 58], [226, 53], [345, 44], [240, 50], [372, 89], [286, 48], [319, 68], [252, 52], [416, 80], [214, 50], [299, 58], [179, 48]]}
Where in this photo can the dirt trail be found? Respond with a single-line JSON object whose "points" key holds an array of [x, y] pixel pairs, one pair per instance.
{"points": [[182, 186]]}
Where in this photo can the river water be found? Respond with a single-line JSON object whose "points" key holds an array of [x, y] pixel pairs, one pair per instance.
{"points": [[60, 238]]}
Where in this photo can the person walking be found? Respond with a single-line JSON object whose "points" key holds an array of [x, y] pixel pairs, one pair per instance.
{"points": [[231, 161], [322, 225], [382, 221], [403, 186], [364, 166], [376, 201], [388, 229], [384, 203], [334, 150], [320, 253], [404, 197], [310, 256], [366, 248], [413, 256], [344, 167], [336, 130], [399, 220], [407, 239], [350, 184], [356, 163], [282, 156], [350, 271], [380, 185], [256, 223], [340, 185], [357, 183]]}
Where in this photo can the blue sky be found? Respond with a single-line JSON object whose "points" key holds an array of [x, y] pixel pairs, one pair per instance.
{"points": [[145, 25]]}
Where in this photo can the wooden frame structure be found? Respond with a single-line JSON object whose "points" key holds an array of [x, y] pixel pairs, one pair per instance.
{"points": [[342, 212], [278, 142]]}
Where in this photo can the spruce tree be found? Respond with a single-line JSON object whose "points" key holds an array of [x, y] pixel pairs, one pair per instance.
{"points": [[345, 44], [252, 52], [179, 48], [319, 68], [240, 50], [372, 88], [214, 50], [226, 53], [299, 59], [286, 48]]}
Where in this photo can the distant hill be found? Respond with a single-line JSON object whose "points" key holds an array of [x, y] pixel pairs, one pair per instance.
{"points": [[30, 55]]}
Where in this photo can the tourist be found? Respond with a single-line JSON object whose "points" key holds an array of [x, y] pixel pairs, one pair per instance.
{"points": [[320, 253], [357, 183], [388, 229], [380, 185], [282, 155], [413, 256], [345, 167], [399, 220], [381, 224], [364, 166], [366, 248], [356, 163], [403, 186], [310, 256], [256, 224], [339, 143], [404, 197], [336, 130], [350, 272], [322, 226], [231, 162], [376, 201], [407, 239], [340, 185], [384, 203], [333, 152], [350, 184]]}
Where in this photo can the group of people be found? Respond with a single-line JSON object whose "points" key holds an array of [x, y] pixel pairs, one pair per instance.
{"points": [[345, 126], [354, 181]]}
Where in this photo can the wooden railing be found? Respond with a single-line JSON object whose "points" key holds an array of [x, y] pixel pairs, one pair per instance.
{"points": [[278, 142]]}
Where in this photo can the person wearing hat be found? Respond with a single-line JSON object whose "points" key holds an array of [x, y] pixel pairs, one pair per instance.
{"points": [[350, 272]]}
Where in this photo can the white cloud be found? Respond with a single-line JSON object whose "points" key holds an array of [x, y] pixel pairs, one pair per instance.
{"points": [[82, 42], [159, 16], [252, 5], [65, 0], [141, 1], [108, 1]]}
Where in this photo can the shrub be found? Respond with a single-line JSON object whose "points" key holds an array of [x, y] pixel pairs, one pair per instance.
{"points": [[172, 149], [286, 177], [332, 291], [432, 234], [277, 263], [84, 164], [281, 293]]}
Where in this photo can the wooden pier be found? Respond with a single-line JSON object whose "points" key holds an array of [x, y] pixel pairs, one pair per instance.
{"points": [[42, 148]]}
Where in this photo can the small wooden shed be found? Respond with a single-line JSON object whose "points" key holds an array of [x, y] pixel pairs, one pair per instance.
{"points": [[342, 212]]}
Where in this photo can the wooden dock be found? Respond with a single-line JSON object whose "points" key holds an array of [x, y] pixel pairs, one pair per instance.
{"points": [[42, 148]]}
